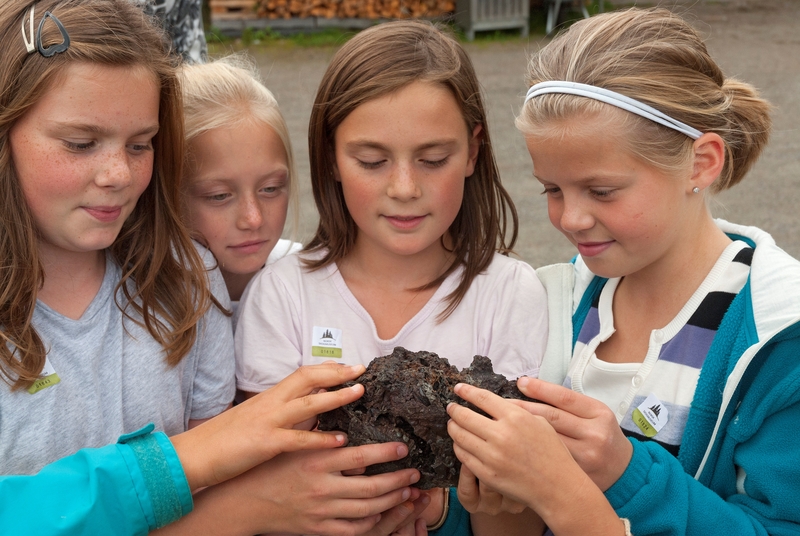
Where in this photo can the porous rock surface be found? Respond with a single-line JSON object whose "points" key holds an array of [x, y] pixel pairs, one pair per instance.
{"points": [[405, 399]]}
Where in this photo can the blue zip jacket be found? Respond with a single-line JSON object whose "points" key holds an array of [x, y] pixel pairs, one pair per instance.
{"points": [[129, 488], [738, 471]]}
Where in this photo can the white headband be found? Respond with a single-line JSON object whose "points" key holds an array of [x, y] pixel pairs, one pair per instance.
{"points": [[615, 99]]}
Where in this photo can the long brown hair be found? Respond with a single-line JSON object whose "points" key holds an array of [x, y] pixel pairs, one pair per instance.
{"points": [[163, 284], [379, 61], [656, 57]]}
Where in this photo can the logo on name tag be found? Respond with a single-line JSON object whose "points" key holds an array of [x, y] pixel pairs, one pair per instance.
{"points": [[650, 416], [326, 342]]}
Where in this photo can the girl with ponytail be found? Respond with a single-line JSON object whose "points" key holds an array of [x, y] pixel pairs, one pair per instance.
{"points": [[678, 354]]}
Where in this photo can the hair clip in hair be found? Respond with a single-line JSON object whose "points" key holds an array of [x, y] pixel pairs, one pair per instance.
{"points": [[52, 50], [30, 46]]}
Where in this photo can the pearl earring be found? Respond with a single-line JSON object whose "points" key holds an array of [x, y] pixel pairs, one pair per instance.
{"points": [[695, 190]]}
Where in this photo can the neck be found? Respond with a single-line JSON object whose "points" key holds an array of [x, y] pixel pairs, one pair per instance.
{"points": [[236, 283], [681, 270], [395, 271], [71, 279]]}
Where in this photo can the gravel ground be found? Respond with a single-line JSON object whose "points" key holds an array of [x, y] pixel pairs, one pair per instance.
{"points": [[755, 40]]}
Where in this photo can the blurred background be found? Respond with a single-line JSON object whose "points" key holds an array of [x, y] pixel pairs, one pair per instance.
{"points": [[755, 40]]}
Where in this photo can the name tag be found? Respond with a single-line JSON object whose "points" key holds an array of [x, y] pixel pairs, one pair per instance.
{"points": [[326, 342], [650, 416], [47, 378]]}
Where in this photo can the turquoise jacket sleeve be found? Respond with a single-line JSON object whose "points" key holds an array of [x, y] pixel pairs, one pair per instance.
{"points": [[129, 488], [660, 498]]}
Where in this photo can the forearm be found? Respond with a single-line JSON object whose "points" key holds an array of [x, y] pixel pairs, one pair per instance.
{"points": [[98, 491], [676, 503], [527, 523], [215, 512], [577, 507]]}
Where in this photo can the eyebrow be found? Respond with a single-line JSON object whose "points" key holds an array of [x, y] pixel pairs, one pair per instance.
{"points": [[369, 144], [95, 129], [584, 181], [222, 179]]}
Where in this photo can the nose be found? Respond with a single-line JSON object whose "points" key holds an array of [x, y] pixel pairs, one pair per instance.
{"points": [[250, 215], [571, 215], [115, 171], [403, 184]]}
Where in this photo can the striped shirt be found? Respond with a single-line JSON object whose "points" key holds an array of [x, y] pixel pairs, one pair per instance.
{"points": [[674, 357]]}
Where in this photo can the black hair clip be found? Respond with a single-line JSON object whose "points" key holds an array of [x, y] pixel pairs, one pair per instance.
{"points": [[31, 44], [52, 50]]}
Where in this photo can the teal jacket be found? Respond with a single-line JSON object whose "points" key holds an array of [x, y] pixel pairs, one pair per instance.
{"points": [[738, 471], [129, 488]]}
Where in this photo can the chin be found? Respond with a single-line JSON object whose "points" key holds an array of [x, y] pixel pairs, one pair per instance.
{"points": [[603, 269], [237, 268]]}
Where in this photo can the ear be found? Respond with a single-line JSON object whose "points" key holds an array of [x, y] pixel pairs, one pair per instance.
{"points": [[709, 159], [474, 147]]}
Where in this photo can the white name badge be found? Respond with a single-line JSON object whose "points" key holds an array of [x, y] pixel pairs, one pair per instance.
{"points": [[326, 342], [47, 378], [650, 416]]}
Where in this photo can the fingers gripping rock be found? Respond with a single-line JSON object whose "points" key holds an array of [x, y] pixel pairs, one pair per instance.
{"points": [[405, 399]]}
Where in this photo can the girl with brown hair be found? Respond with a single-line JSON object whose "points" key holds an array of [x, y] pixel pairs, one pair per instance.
{"points": [[103, 292], [108, 322], [414, 228], [677, 334]]}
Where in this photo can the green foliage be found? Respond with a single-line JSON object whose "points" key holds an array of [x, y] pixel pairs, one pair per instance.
{"points": [[269, 37]]}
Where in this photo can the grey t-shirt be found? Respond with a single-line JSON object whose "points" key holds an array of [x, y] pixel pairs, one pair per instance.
{"points": [[114, 379]]}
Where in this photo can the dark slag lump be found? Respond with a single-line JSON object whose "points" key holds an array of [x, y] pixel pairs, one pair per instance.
{"points": [[405, 399]]}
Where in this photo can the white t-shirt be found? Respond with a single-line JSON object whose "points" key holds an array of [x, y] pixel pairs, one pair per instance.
{"points": [[290, 316], [282, 248]]}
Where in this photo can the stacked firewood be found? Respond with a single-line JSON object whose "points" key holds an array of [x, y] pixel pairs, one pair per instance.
{"points": [[362, 9]]}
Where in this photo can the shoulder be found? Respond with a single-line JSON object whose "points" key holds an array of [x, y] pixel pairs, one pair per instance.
{"points": [[567, 281], [291, 265], [288, 274], [505, 272], [283, 248], [503, 266], [774, 280], [215, 280]]}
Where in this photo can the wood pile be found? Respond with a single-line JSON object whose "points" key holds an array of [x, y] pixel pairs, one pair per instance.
{"points": [[233, 9], [345, 9]]}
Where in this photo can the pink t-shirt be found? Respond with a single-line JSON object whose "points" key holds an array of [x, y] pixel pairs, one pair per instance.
{"points": [[290, 317]]}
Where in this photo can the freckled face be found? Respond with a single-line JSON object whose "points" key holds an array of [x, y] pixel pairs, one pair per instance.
{"points": [[622, 214], [402, 160], [83, 154], [238, 194]]}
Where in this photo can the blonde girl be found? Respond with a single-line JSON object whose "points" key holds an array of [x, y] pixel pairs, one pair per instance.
{"points": [[240, 177], [683, 330], [414, 225]]}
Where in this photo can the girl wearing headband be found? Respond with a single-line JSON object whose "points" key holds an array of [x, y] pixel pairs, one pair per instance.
{"points": [[675, 407]]}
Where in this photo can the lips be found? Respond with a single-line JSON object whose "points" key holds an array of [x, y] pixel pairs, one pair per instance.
{"points": [[404, 222], [591, 249], [251, 246], [104, 214]]}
